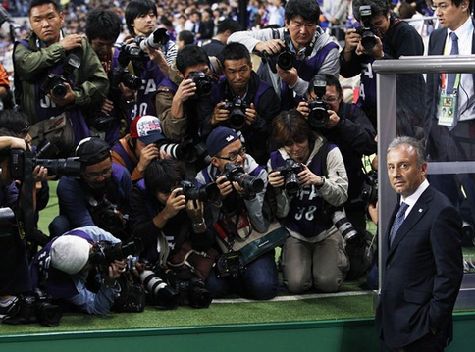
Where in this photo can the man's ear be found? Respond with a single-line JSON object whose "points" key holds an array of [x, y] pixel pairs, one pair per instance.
{"points": [[214, 162]]}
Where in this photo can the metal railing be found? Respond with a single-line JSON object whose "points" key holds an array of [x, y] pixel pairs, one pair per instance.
{"points": [[387, 71]]}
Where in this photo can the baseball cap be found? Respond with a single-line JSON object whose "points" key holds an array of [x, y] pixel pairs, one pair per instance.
{"points": [[147, 129], [219, 138], [92, 150]]}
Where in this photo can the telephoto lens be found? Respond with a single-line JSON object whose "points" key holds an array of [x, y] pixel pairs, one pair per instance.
{"points": [[158, 291]]}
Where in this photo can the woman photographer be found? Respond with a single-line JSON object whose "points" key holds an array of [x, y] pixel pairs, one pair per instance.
{"points": [[313, 255]]}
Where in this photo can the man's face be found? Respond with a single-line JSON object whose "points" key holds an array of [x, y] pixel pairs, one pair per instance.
{"points": [[145, 24], [102, 47], [97, 175], [196, 68], [232, 153], [238, 73], [331, 97], [301, 31], [380, 24], [449, 15], [46, 23], [405, 175]]}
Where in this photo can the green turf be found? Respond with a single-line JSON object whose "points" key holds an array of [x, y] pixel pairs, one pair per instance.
{"points": [[333, 308]]}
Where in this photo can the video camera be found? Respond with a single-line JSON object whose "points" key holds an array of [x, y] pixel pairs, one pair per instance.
{"points": [[318, 116], [203, 82], [237, 112], [57, 167], [56, 84], [290, 172], [250, 184], [206, 193], [368, 37]]}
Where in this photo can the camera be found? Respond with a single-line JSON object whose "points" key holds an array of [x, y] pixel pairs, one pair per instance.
{"points": [[318, 116], [286, 59], [191, 291], [108, 216], [103, 253], [132, 52], [185, 151], [368, 38], [203, 82], [57, 167], [290, 172], [122, 75], [250, 184], [158, 39], [237, 112], [229, 265], [206, 193], [345, 227], [56, 85], [159, 292], [369, 190]]}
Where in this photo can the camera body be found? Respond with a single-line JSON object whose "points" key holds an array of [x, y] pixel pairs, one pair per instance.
{"points": [[122, 75], [318, 116], [203, 82], [368, 37], [290, 172], [103, 253], [57, 167], [191, 291], [369, 190], [229, 265], [206, 193], [56, 85], [158, 39], [237, 112], [250, 184]]}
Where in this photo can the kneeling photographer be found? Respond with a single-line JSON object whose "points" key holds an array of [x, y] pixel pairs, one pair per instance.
{"points": [[64, 270], [244, 102], [238, 217], [98, 196], [382, 36], [309, 178], [167, 215]]}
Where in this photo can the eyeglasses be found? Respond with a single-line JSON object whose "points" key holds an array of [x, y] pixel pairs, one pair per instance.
{"points": [[330, 99], [232, 157], [104, 173]]}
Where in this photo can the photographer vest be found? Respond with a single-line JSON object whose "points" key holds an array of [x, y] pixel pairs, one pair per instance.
{"points": [[307, 215], [45, 108]]}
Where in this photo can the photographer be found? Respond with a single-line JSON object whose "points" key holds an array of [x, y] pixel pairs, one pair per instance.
{"points": [[239, 214], [349, 128], [313, 255], [184, 111], [102, 30], [56, 73], [169, 220], [383, 36], [154, 63], [243, 102], [62, 269], [137, 149], [303, 50], [225, 28], [99, 196]]}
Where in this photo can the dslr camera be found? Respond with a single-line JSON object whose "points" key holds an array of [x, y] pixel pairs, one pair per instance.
{"points": [[229, 265], [160, 294], [318, 116], [203, 82], [158, 39], [369, 190], [56, 84], [190, 291], [103, 253], [250, 184], [290, 172], [206, 193], [368, 38], [237, 112], [286, 59], [22, 162], [186, 151]]}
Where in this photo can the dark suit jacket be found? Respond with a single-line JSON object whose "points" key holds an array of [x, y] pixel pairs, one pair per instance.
{"points": [[422, 272]]}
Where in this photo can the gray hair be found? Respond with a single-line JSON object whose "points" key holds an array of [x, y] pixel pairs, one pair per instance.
{"points": [[412, 142]]}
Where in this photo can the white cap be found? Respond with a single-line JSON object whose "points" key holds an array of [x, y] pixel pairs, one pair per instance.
{"points": [[69, 254]]}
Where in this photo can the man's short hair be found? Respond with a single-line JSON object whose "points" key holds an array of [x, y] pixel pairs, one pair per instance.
{"points": [[163, 175], [333, 81], [137, 8], [290, 127], [186, 36], [190, 55], [378, 7], [102, 24], [14, 121], [235, 51], [307, 9], [412, 142], [35, 3], [228, 25]]}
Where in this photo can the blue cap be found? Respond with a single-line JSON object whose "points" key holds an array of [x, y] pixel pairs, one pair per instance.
{"points": [[219, 138]]}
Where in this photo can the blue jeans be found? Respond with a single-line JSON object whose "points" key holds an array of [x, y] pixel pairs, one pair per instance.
{"points": [[259, 280]]}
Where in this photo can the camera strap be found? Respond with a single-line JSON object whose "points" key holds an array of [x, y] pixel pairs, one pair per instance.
{"points": [[308, 50]]}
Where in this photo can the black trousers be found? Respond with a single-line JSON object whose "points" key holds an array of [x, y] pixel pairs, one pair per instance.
{"points": [[427, 343]]}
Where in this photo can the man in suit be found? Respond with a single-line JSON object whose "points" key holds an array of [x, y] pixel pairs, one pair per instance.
{"points": [[422, 259], [452, 136]]}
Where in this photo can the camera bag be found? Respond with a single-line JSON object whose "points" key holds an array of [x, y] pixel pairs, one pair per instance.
{"points": [[58, 132], [188, 259]]}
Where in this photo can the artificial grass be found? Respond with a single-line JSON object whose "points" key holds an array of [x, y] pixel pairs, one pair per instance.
{"points": [[331, 308]]}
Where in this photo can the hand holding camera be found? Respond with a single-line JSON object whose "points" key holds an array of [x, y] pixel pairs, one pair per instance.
{"points": [[224, 185], [71, 41], [307, 177], [147, 154], [303, 108], [63, 99], [220, 113], [116, 268], [271, 47], [289, 76], [251, 114], [175, 203], [276, 179], [186, 89], [333, 119]]}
